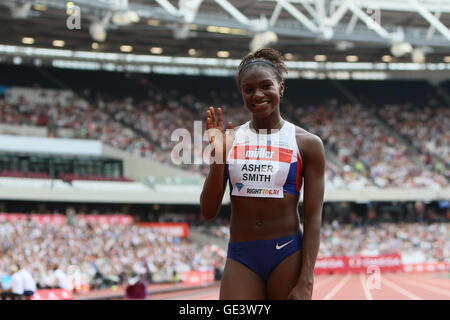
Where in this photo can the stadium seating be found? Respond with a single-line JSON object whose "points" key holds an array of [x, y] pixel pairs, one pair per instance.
{"points": [[383, 142], [370, 148], [19, 174], [98, 251]]}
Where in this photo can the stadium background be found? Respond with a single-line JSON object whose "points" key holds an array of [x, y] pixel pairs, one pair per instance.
{"points": [[91, 91]]}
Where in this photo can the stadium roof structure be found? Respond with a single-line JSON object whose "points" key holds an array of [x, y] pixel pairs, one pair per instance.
{"points": [[370, 31], [304, 28]]}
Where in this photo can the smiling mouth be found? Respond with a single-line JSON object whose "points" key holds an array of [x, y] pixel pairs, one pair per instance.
{"points": [[262, 104]]}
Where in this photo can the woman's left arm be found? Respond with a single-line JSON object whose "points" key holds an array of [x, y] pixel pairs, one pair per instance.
{"points": [[313, 190]]}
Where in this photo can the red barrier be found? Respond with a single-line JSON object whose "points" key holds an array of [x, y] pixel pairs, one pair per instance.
{"points": [[197, 277], [61, 219], [12, 216], [174, 229], [106, 219], [39, 218], [46, 218], [357, 264], [427, 267], [52, 294]]}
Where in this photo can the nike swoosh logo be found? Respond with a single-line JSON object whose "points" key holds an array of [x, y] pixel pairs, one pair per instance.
{"points": [[283, 245]]}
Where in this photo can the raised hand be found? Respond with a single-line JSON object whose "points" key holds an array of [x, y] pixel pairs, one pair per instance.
{"points": [[218, 138]]}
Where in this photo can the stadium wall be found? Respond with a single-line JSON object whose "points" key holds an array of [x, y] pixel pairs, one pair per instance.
{"points": [[138, 168], [106, 192]]}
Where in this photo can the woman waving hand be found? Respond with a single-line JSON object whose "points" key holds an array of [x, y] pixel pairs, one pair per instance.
{"points": [[266, 161]]}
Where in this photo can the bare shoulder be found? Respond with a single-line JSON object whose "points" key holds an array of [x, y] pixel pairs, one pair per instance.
{"points": [[309, 144]]}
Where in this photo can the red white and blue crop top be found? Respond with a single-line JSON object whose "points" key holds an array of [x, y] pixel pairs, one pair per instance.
{"points": [[264, 165]]}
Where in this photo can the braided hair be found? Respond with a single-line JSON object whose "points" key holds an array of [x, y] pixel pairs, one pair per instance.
{"points": [[268, 57]]}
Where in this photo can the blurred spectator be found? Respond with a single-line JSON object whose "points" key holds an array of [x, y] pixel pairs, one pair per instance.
{"points": [[29, 284], [16, 289], [59, 278], [136, 288], [5, 285]]}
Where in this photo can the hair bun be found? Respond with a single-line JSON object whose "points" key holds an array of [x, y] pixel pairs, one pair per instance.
{"points": [[269, 54]]}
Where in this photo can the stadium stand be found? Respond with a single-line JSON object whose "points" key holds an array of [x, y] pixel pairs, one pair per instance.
{"points": [[144, 126], [105, 253], [373, 141]]}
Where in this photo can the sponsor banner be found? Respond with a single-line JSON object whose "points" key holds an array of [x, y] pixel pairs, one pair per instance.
{"points": [[331, 264], [52, 294], [46, 218], [427, 267], [197, 277], [174, 229], [61, 219], [12, 217], [105, 219], [357, 264], [39, 218]]}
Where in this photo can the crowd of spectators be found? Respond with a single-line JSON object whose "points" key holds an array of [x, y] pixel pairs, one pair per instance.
{"points": [[358, 139], [416, 242], [104, 255], [368, 154], [85, 121], [426, 242], [98, 254], [160, 116], [427, 129]]}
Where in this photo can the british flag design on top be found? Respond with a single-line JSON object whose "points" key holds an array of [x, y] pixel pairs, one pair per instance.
{"points": [[264, 165]]}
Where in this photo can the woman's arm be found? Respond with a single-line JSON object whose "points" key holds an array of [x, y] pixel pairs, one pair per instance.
{"points": [[215, 183], [314, 173], [213, 191]]}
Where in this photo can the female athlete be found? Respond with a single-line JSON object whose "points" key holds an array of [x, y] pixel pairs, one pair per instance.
{"points": [[266, 162]]}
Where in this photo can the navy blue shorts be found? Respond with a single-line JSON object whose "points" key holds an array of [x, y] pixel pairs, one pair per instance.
{"points": [[262, 256]]}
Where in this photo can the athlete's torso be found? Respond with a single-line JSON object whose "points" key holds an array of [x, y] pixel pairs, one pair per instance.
{"points": [[264, 172], [264, 165]]}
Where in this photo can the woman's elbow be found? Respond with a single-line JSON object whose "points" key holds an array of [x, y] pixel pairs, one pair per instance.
{"points": [[208, 209], [207, 213]]}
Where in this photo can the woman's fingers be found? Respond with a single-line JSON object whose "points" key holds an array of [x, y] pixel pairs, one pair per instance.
{"points": [[208, 120], [210, 123], [215, 123], [213, 116], [219, 116], [230, 129]]}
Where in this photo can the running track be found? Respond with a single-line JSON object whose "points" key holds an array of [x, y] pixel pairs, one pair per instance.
{"points": [[392, 286]]}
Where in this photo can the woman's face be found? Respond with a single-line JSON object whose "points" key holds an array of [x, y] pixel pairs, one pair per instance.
{"points": [[261, 91]]}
